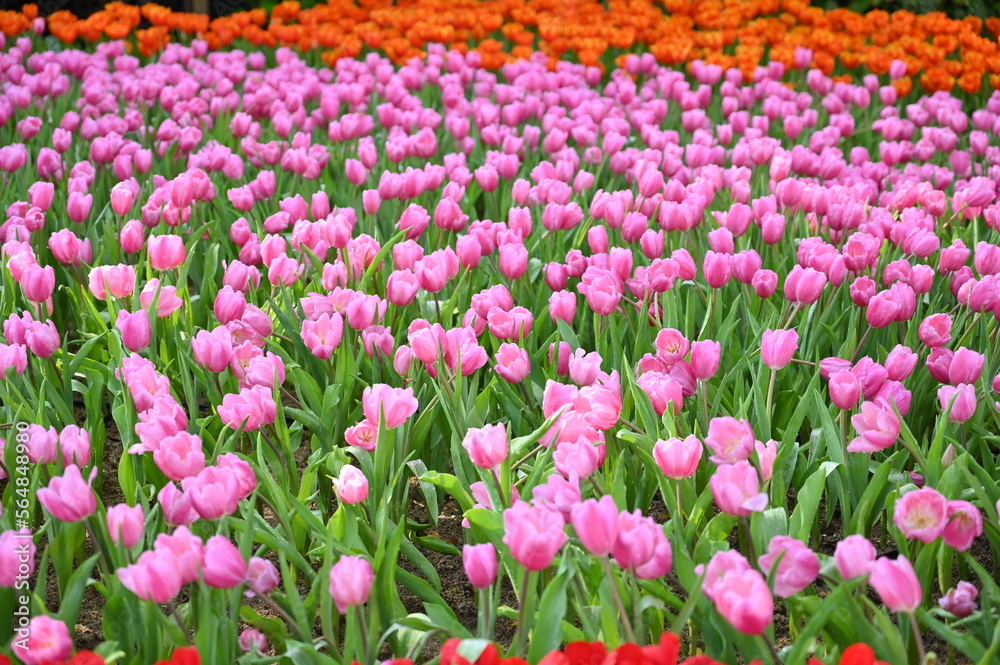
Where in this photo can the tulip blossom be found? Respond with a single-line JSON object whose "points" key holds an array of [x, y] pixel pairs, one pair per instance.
{"points": [[960, 601], [896, 584], [534, 535], [778, 346], [736, 489], [351, 580], [877, 428], [797, 568], [921, 514]]}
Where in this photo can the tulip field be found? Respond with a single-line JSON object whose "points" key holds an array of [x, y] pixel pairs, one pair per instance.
{"points": [[561, 333]]}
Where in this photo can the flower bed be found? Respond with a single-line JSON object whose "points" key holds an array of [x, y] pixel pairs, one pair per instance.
{"points": [[321, 364], [939, 52]]}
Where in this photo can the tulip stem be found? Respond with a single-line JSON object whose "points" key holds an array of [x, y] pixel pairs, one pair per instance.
{"points": [[680, 511], [180, 623], [360, 615], [522, 612], [771, 648], [748, 537], [770, 397], [861, 343], [629, 634], [97, 546], [524, 459], [918, 637], [484, 614], [283, 614]]}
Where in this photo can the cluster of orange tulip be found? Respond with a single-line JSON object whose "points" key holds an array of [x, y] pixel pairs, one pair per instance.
{"points": [[940, 52]]}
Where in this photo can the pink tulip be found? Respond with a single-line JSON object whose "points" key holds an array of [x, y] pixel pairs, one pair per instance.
{"points": [[78, 206], [184, 553], [897, 584], [855, 556], [66, 247], [513, 260], [562, 305], [705, 359], [229, 304], [480, 563], [797, 569], [596, 525], [584, 367], [730, 439], [602, 289], [167, 300], [921, 514], [845, 389], [764, 282], [401, 288], [262, 577], [960, 601], [637, 539], [42, 339], [744, 600], [118, 281], [176, 506], [166, 252], [135, 329], [47, 641], [877, 428], [716, 268], [736, 489], [778, 346], [37, 283], [965, 524], [661, 561], [250, 408], [900, 363], [222, 565], [935, 330], [213, 492], [42, 444], [966, 366], [364, 435], [351, 486], [155, 576], [671, 345], [180, 456], [322, 336], [662, 391], [396, 405], [512, 363], [351, 580], [960, 399], [214, 349], [126, 524], [678, 458], [121, 198], [69, 498], [17, 557], [767, 453], [252, 640], [487, 446], [534, 535]]}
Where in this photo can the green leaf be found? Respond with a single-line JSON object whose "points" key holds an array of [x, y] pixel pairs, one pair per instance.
{"points": [[808, 502], [546, 634], [72, 593], [450, 484], [817, 620]]}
